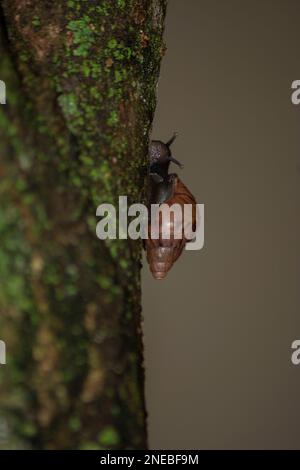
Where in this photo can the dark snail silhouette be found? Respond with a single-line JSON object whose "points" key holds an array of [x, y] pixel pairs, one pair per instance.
{"points": [[168, 189]]}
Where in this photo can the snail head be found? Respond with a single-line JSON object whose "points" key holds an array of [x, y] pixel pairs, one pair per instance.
{"points": [[160, 156]]}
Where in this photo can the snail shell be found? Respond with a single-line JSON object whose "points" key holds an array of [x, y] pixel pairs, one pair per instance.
{"points": [[162, 253]]}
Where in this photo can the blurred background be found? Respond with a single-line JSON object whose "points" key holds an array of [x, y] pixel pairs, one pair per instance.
{"points": [[219, 328]]}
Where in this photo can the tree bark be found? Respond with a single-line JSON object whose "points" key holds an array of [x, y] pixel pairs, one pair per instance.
{"points": [[81, 79]]}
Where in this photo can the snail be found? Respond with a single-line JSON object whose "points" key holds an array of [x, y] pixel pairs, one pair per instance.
{"points": [[166, 188]]}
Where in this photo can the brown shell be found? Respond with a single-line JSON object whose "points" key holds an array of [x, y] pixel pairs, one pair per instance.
{"points": [[162, 253]]}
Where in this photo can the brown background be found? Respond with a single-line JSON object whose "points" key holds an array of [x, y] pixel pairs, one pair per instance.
{"points": [[218, 330]]}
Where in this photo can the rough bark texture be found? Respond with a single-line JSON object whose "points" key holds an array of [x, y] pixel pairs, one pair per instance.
{"points": [[81, 79]]}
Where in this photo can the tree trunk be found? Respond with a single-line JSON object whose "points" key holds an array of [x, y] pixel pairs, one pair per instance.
{"points": [[81, 79]]}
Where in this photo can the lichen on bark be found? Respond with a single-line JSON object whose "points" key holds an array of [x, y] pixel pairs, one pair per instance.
{"points": [[81, 80]]}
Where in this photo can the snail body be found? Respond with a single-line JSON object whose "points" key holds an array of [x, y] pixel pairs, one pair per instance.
{"points": [[168, 189]]}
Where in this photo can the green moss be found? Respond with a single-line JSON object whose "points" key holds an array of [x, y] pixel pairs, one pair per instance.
{"points": [[83, 35], [68, 102], [109, 437], [75, 423], [112, 43], [121, 3], [14, 258], [118, 76], [28, 429], [124, 263], [113, 118], [90, 446], [36, 21], [104, 282]]}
